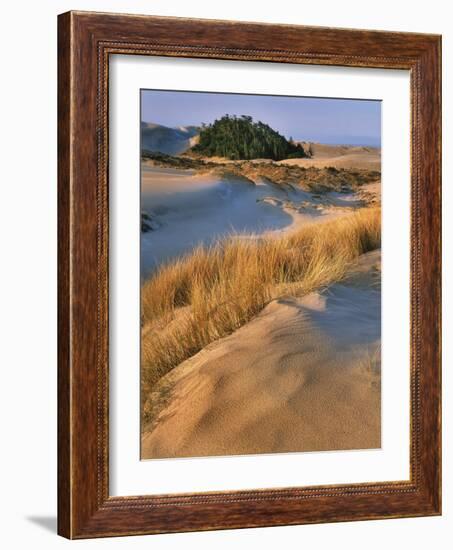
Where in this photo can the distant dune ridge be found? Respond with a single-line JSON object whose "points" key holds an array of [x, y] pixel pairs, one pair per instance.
{"points": [[325, 150], [170, 141], [339, 156]]}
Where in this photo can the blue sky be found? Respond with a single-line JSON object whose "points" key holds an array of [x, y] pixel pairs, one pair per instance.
{"points": [[326, 120]]}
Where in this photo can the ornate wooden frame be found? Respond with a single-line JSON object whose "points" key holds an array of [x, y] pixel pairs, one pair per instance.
{"points": [[85, 41]]}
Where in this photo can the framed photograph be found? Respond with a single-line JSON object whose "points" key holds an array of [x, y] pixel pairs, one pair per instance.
{"points": [[249, 275]]}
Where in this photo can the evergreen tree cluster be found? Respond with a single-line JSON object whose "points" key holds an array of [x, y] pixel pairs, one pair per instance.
{"points": [[240, 138]]}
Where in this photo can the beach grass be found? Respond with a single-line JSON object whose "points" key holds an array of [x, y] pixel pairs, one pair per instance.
{"points": [[209, 293]]}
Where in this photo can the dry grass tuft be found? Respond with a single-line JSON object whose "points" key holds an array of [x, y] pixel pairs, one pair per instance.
{"points": [[211, 292]]}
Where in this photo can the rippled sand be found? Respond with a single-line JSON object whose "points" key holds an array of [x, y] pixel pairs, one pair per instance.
{"points": [[304, 375]]}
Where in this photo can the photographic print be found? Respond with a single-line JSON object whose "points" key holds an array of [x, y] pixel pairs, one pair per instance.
{"points": [[222, 319], [260, 274]]}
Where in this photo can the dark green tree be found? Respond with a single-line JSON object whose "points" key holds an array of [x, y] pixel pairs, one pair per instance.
{"points": [[240, 138]]}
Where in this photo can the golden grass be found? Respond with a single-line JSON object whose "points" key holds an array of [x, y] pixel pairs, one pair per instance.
{"points": [[213, 291]]}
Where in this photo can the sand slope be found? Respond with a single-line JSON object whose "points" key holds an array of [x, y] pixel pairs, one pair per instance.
{"points": [[304, 375], [189, 209], [171, 141]]}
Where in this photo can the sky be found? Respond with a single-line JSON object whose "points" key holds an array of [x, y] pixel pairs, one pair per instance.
{"points": [[324, 120]]}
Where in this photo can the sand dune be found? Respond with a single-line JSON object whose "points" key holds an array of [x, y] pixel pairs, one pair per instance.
{"points": [[188, 209], [340, 156], [171, 141], [304, 375], [325, 150]]}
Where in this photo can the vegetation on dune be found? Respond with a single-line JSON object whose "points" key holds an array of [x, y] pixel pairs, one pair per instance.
{"points": [[213, 291], [308, 178], [235, 138]]}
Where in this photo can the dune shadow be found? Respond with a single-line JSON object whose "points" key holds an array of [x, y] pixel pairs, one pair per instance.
{"points": [[351, 316], [197, 217]]}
